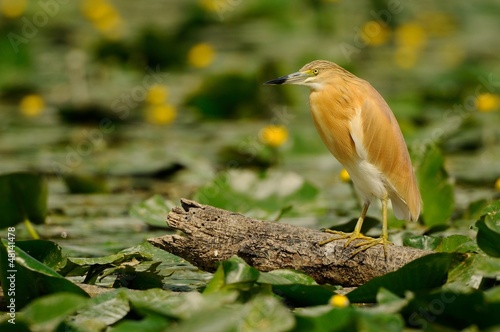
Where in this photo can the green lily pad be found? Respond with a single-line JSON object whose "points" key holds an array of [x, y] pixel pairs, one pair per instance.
{"points": [[424, 242], [424, 273], [153, 211], [100, 312], [46, 313]]}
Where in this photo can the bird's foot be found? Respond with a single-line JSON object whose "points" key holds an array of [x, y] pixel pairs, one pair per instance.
{"points": [[362, 246], [341, 236], [370, 242]]}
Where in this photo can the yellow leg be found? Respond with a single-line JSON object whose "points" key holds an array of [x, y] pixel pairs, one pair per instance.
{"points": [[383, 240], [356, 234]]}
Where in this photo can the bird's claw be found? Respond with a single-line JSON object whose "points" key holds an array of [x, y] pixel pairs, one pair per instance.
{"points": [[362, 246], [370, 242]]}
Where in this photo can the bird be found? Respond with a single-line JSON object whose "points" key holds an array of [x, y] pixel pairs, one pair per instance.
{"points": [[358, 127]]}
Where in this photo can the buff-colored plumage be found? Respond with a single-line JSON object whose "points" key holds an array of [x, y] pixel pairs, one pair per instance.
{"points": [[359, 129]]}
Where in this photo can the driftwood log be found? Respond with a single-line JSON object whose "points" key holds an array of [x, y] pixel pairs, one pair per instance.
{"points": [[212, 235]]}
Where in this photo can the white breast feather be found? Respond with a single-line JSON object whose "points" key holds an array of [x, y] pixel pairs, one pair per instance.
{"points": [[367, 179]]}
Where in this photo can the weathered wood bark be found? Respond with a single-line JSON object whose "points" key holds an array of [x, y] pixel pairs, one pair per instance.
{"points": [[213, 235]]}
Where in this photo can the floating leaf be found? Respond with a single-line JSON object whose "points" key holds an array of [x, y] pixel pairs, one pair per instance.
{"points": [[424, 242], [46, 313], [85, 184], [100, 312], [23, 196], [153, 211], [424, 273], [177, 305]]}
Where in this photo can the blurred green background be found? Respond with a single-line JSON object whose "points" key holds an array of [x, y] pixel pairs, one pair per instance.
{"points": [[118, 101]]}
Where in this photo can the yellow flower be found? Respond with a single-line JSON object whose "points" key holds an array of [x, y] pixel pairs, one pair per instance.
{"points": [[201, 55], [375, 33], [273, 135], [161, 114], [12, 8], [497, 184], [157, 94], [344, 176], [487, 102], [32, 105], [103, 16], [339, 301], [411, 35]]}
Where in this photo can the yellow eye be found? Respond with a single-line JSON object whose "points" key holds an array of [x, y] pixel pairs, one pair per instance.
{"points": [[315, 71]]}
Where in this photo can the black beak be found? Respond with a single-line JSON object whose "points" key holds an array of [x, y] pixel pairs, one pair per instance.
{"points": [[279, 80]]}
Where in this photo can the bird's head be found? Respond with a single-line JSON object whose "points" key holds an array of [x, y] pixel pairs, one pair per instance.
{"points": [[314, 75]]}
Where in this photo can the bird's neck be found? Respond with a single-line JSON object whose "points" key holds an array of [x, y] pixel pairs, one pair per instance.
{"points": [[344, 94]]}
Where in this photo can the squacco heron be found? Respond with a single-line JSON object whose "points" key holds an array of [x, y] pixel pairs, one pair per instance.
{"points": [[360, 130]]}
